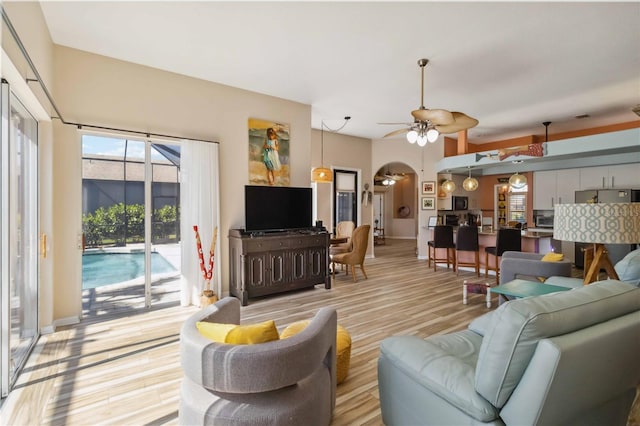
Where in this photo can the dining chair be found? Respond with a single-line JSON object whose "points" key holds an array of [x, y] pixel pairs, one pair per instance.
{"points": [[360, 240], [442, 238], [467, 240], [507, 239], [343, 229]]}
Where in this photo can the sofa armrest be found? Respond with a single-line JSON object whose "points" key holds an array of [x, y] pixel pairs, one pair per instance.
{"points": [[512, 267], [521, 255]]}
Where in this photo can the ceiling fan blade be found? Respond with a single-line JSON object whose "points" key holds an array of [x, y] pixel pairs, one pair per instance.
{"points": [[435, 116], [397, 124], [397, 132], [462, 122]]}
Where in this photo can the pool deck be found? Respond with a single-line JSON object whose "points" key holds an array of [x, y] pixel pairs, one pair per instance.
{"points": [[122, 297]]}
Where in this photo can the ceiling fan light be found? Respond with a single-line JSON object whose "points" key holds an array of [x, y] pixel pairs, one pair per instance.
{"points": [[449, 186], [388, 182], [517, 181], [422, 140], [470, 184], [412, 136], [432, 135]]}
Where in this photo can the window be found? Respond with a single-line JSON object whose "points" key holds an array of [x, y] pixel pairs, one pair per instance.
{"points": [[518, 205]]}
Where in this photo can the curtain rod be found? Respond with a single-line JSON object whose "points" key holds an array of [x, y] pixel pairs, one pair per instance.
{"points": [[38, 78]]}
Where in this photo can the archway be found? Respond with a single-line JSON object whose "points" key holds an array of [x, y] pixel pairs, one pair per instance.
{"points": [[395, 204]]}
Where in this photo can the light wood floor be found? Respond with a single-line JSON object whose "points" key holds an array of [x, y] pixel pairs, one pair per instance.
{"points": [[125, 369]]}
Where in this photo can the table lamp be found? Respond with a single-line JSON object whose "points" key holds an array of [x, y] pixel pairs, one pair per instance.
{"points": [[599, 224]]}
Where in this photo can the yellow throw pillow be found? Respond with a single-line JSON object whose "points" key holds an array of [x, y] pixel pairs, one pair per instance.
{"points": [[552, 257], [247, 334]]}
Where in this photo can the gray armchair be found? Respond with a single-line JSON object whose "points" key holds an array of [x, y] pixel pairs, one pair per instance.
{"points": [[284, 382], [517, 264], [566, 358]]}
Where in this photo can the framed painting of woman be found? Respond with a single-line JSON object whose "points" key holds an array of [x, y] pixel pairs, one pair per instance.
{"points": [[268, 153]]}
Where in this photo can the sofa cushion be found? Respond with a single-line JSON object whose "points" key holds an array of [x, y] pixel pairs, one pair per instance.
{"points": [[628, 269], [445, 365], [518, 325], [552, 257], [247, 334]]}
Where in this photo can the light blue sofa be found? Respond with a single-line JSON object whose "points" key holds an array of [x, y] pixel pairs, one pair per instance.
{"points": [[568, 358]]}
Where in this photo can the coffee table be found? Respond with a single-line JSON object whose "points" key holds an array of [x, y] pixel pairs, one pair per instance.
{"points": [[523, 288]]}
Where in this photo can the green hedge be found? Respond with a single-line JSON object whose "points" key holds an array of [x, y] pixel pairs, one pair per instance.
{"points": [[113, 226]]}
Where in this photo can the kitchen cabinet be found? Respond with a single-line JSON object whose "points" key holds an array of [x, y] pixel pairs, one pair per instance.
{"points": [[604, 177], [554, 187]]}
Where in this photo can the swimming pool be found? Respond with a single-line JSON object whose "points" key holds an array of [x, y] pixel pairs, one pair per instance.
{"points": [[100, 269]]}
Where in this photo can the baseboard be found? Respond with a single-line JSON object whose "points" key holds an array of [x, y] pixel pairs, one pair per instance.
{"points": [[48, 329]]}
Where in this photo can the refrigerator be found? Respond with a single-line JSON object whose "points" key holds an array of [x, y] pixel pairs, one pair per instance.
{"points": [[616, 251]]}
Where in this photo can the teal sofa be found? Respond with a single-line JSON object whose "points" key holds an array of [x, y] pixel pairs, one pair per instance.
{"points": [[568, 358]]}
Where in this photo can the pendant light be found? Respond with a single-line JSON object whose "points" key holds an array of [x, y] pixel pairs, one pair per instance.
{"points": [[448, 186], [470, 183], [323, 174], [517, 181]]}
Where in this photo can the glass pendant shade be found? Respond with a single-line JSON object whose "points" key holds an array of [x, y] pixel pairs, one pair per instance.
{"points": [[517, 181], [470, 184], [422, 140], [321, 175], [448, 186], [412, 136], [432, 135]]}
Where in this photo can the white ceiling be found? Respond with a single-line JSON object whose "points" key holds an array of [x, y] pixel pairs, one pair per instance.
{"points": [[510, 65]]}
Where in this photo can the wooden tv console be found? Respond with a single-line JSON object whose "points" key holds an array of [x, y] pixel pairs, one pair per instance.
{"points": [[263, 263]]}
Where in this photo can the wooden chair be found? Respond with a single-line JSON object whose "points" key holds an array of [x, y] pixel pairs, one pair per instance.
{"points": [[343, 229], [442, 238], [467, 240], [507, 239], [360, 240]]}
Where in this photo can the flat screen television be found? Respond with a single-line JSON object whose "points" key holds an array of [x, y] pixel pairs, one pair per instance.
{"points": [[276, 208]]}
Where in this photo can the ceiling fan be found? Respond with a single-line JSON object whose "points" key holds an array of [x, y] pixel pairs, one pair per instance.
{"points": [[428, 124], [388, 179]]}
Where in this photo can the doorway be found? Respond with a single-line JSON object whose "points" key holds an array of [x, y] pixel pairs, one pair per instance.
{"points": [[131, 224], [345, 197]]}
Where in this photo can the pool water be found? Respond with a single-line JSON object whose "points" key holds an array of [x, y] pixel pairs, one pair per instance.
{"points": [[111, 268]]}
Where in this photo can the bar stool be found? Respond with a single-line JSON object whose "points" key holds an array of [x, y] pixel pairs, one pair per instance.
{"points": [[507, 239], [442, 238], [467, 240]]}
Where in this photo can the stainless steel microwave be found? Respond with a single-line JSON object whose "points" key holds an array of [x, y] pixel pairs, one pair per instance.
{"points": [[544, 221], [460, 203]]}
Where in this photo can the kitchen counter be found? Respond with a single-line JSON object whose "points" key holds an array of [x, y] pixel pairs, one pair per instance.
{"points": [[532, 242], [525, 234]]}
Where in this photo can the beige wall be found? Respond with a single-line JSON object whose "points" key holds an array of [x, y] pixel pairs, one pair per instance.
{"points": [[100, 90], [97, 90], [346, 153]]}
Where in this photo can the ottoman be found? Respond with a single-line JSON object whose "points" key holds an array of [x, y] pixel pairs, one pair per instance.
{"points": [[343, 346], [477, 288]]}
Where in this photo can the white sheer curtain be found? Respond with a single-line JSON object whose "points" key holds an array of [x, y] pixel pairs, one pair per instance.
{"points": [[199, 205]]}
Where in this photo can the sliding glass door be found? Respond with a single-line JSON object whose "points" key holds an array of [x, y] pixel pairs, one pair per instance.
{"points": [[130, 215], [19, 235]]}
